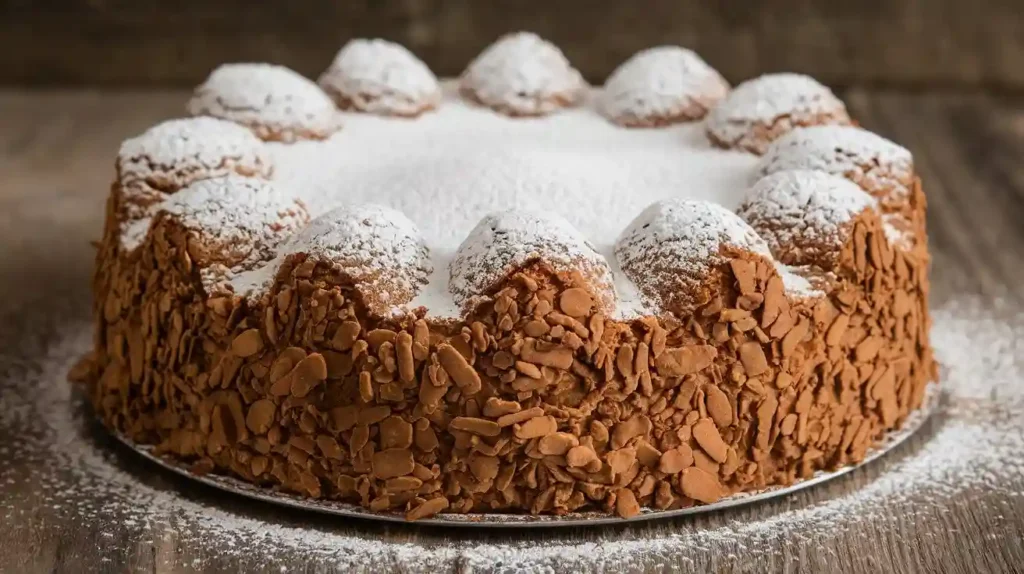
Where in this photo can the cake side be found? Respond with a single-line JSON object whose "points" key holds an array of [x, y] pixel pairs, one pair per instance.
{"points": [[535, 402]]}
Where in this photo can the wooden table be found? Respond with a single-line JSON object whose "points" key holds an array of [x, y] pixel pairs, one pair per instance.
{"points": [[56, 156]]}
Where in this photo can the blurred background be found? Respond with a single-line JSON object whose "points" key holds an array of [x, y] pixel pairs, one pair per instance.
{"points": [[914, 44]]}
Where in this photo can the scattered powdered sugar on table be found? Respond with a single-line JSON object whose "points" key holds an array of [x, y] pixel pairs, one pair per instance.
{"points": [[61, 473]]}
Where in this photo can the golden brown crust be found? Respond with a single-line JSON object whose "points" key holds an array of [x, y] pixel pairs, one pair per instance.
{"points": [[535, 403]]}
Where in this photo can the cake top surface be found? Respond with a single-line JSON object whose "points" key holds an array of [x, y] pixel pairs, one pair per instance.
{"points": [[450, 168], [434, 211]]}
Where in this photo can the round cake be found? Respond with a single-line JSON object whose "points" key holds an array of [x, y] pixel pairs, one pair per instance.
{"points": [[511, 292]]}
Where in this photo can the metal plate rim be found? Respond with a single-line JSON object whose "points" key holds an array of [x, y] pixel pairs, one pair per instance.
{"points": [[239, 487]]}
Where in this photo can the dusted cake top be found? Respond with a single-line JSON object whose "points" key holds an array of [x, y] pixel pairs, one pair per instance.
{"points": [[435, 211]]}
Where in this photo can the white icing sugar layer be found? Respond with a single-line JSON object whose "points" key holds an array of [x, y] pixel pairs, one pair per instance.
{"points": [[275, 102], [381, 77], [505, 241], [523, 74], [448, 169], [661, 85]]}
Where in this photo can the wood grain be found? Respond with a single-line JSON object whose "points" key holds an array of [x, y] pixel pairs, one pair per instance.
{"points": [[931, 43], [56, 151]]}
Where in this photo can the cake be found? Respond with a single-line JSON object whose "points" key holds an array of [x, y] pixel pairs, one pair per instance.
{"points": [[511, 292]]}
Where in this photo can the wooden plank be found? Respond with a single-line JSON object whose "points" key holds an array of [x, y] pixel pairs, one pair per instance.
{"points": [[895, 42]]}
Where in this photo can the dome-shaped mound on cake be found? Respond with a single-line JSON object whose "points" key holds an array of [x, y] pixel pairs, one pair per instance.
{"points": [[884, 169], [276, 103], [176, 153], [234, 222], [759, 111], [470, 311], [376, 248], [661, 86], [805, 216], [671, 250], [380, 77], [523, 75], [505, 242]]}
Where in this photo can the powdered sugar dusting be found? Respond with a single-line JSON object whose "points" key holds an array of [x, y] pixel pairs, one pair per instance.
{"points": [[673, 243], [504, 241], [273, 101], [897, 230], [523, 74], [795, 283], [763, 100], [62, 474], [381, 77], [873, 161], [449, 169], [662, 84], [803, 207]]}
